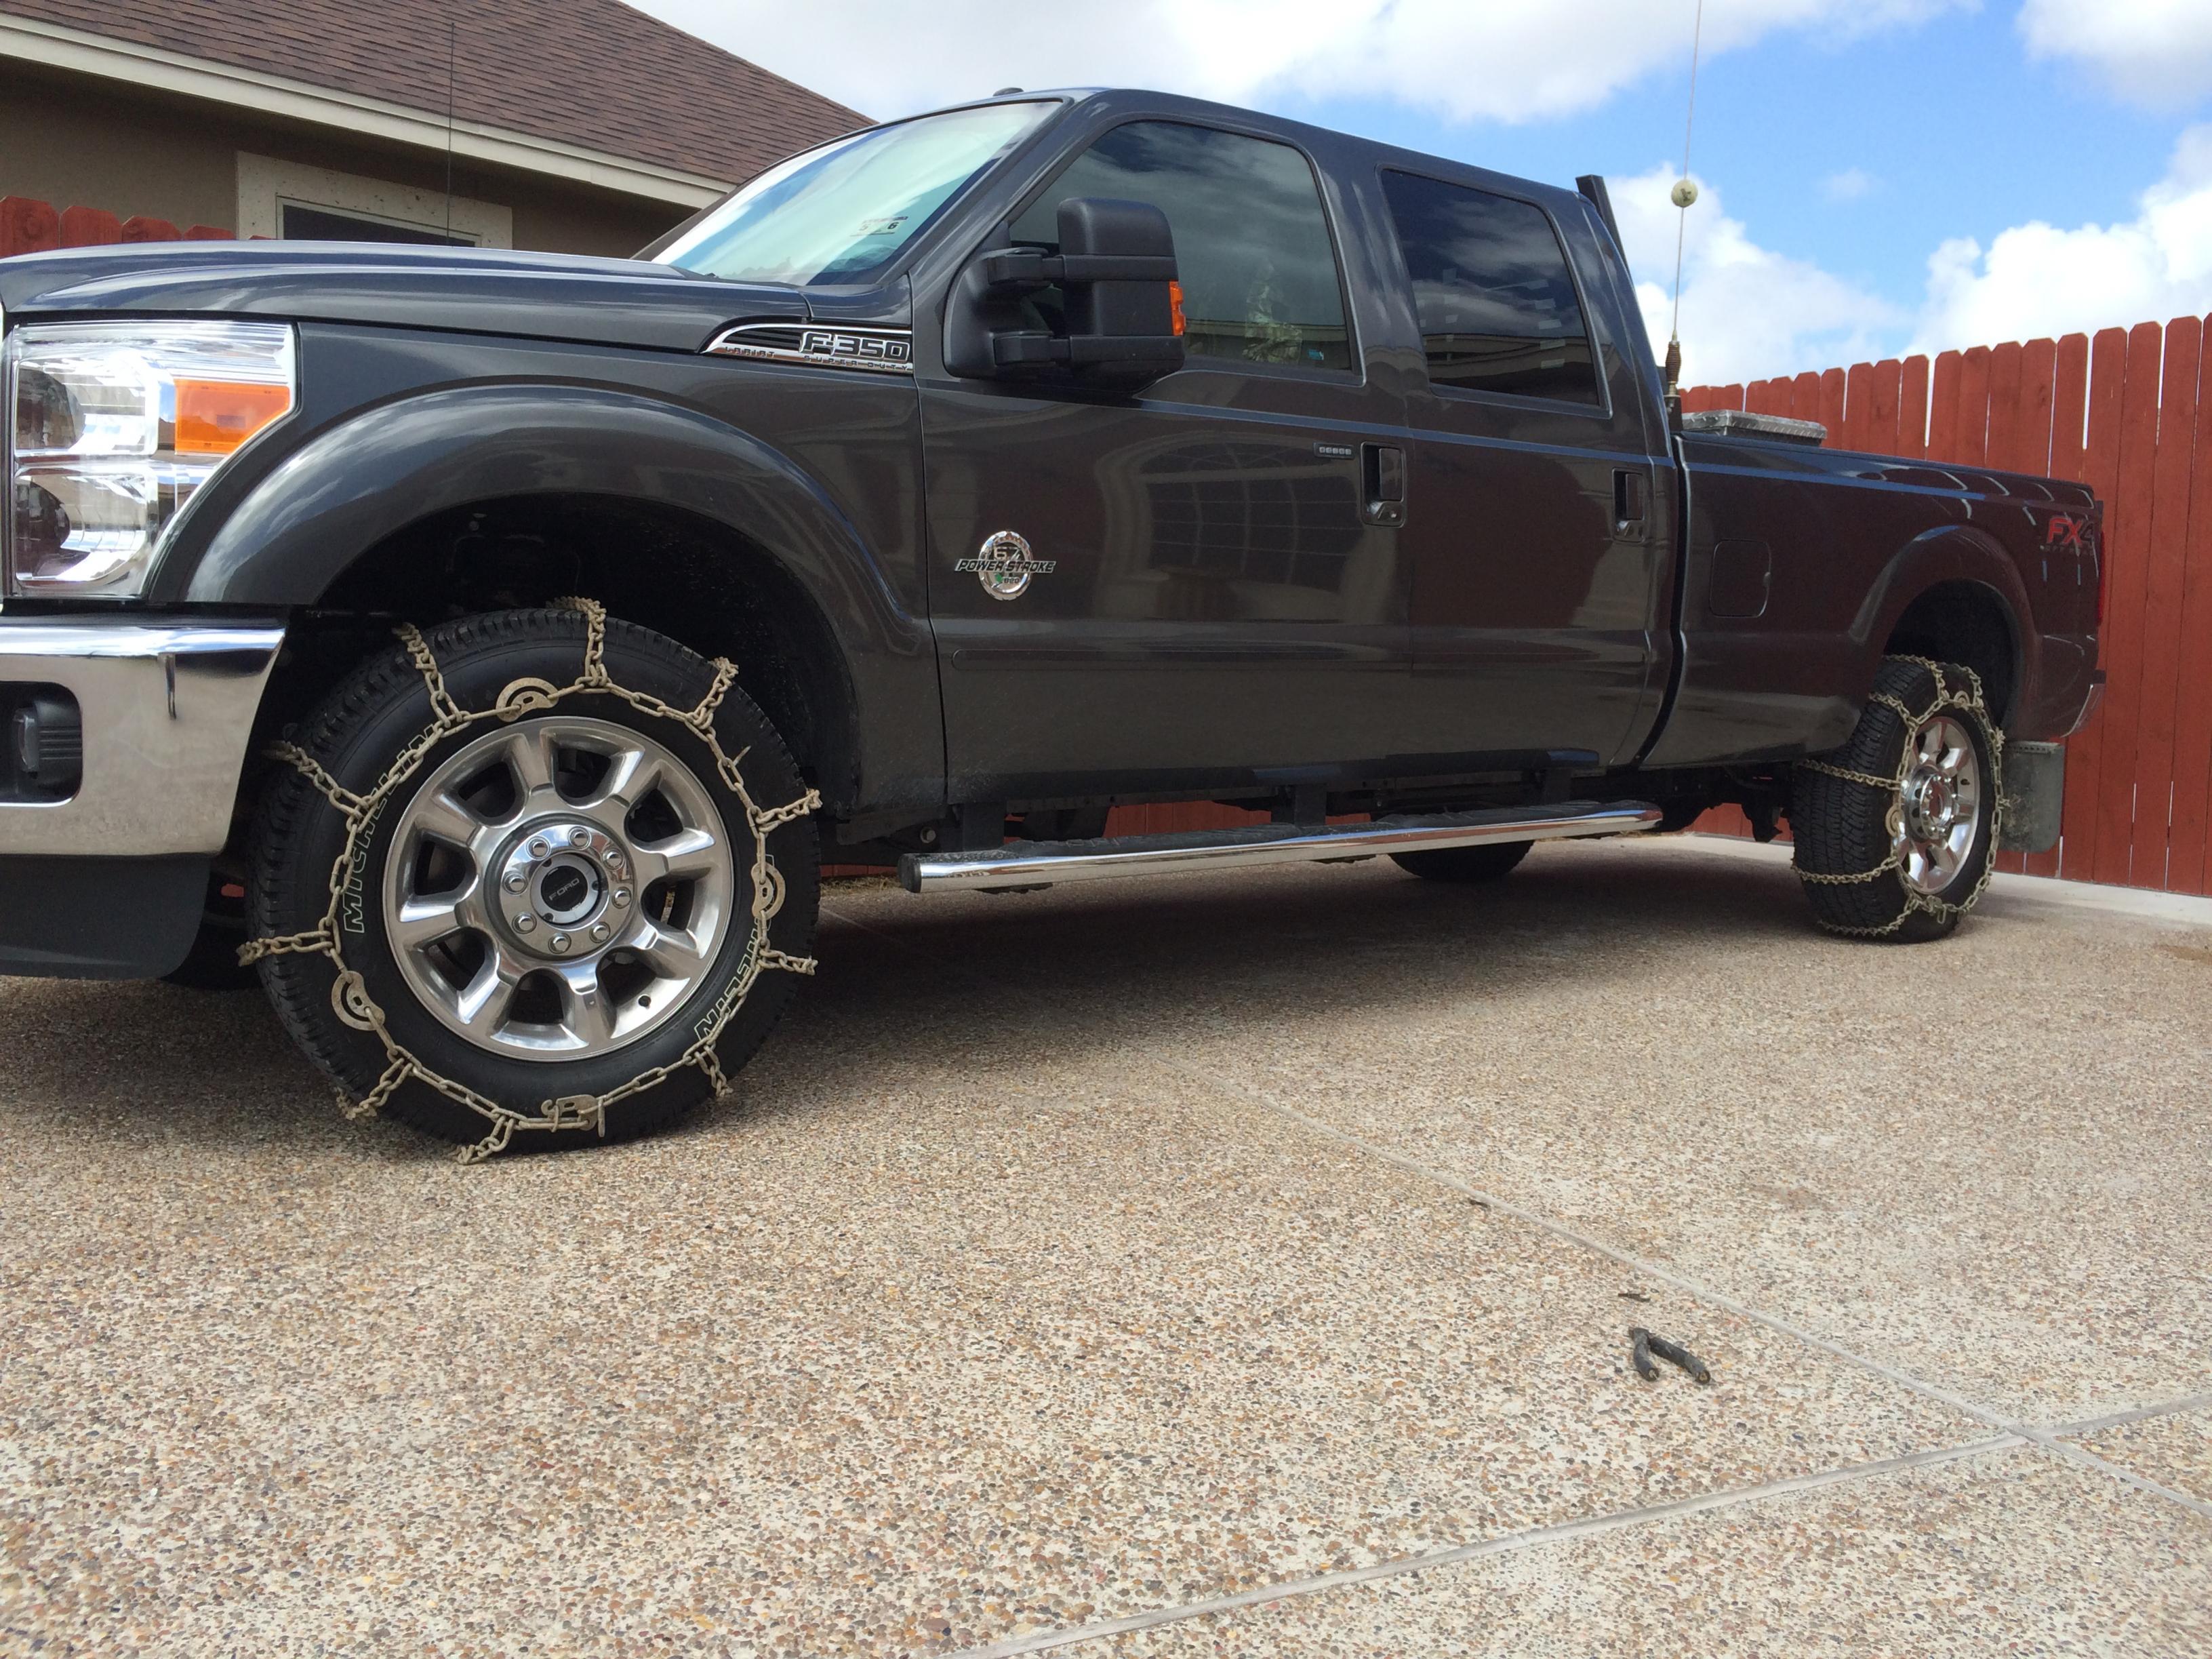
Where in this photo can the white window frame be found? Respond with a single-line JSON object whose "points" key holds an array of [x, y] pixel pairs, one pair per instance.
{"points": [[266, 185]]}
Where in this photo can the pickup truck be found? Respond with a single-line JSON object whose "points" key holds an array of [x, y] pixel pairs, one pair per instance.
{"points": [[488, 648]]}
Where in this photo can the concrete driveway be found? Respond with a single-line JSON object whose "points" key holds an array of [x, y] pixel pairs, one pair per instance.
{"points": [[1225, 1266]]}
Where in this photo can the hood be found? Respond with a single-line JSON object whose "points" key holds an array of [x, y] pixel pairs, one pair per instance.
{"points": [[625, 302]]}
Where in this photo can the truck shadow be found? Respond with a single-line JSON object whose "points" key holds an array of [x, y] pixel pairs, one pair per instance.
{"points": [[980, 983]]}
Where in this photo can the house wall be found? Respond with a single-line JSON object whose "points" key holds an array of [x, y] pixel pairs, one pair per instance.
{"points": [[80, 141]]}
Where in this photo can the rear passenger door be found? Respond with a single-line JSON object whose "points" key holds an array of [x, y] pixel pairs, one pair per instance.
{"points": [[1220, 605], [1539, 559]]}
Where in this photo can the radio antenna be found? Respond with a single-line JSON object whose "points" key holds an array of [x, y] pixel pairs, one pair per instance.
{"points": [[1684, 193], [452, 43]]}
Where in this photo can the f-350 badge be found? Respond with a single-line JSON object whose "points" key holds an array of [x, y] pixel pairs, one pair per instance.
{"points": [[1004, 566]]}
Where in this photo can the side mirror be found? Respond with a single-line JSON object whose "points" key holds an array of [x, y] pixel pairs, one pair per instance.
{"points": [[1116, 269]]}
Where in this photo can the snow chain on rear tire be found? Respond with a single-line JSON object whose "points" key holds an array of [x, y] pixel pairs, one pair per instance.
{"points": [[1912, 900], [349, 997]]}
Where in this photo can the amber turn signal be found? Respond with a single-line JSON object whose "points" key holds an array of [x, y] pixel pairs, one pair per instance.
{"points": [[1174, 305], [214, 417]]}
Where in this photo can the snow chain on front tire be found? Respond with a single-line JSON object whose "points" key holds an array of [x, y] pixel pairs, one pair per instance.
{"points": [[1911, 902], [349, 997]]}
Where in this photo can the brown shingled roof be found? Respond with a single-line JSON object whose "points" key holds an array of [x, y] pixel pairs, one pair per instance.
{"points": [[594, 73]]}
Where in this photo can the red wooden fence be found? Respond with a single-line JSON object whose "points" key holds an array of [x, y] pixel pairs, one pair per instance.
{"points": [[30, 226], [2120, 411]]}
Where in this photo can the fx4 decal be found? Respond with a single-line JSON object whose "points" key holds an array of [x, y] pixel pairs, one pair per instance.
{"points": [[2068, 531]]}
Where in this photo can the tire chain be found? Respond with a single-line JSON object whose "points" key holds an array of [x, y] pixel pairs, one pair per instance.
{"points": [[349, 997], [1915, 900]]}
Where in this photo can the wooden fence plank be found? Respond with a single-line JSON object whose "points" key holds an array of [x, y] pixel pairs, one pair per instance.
{"points": [[28, 225], [1885, 385], [2160, 657], [2100, 470], [84, 227], [1857, 434], [2192, 829], [1969, 438], [2019, 435], [1912, 410], [1943, 409], [1832, 406], [2069, 409], [1805, 397], [2130, 592], [2003, 425], [140, 228]]}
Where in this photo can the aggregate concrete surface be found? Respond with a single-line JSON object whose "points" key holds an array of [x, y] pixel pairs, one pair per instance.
{"points": [[1236, 1265]]}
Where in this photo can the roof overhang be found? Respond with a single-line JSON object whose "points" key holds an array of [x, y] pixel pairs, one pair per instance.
{"points": [[56, 47]]}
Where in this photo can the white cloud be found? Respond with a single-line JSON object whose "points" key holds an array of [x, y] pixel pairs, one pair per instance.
{"points": [[2156, 51], [1747, 313], [2037, 279], [1849, 186], [1509, 60]]}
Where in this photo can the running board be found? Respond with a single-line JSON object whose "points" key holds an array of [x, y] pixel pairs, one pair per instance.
{"points": [[1041, 863]]}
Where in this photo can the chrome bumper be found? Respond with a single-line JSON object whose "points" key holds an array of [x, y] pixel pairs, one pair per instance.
{"points": [[167, 707]]}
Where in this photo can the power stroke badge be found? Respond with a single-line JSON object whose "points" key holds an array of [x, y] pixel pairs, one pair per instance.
{"points": [[1004, 566]]}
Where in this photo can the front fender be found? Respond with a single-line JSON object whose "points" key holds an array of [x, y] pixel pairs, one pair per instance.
{"points": [[359, 482], [309, 515]]}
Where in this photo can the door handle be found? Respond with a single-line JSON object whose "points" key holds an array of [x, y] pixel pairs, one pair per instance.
{"points": [[1383, 484], [1627, 501]]}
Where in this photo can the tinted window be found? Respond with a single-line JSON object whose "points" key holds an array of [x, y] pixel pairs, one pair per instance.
{"points": [[1497, 305], [1259, 275]]}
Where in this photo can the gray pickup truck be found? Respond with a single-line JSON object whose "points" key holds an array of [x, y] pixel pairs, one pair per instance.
{"points": [[487, 649]]}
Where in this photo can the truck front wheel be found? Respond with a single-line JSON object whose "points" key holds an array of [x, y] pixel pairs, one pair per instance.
{"points": [[1491, 863], [1896, 831], [534, 871]]}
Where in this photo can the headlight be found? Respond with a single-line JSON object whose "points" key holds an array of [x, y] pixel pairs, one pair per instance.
{"points": [[115, 425]]}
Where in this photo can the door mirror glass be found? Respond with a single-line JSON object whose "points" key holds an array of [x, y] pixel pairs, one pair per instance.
{"points": [[1121, 322]]}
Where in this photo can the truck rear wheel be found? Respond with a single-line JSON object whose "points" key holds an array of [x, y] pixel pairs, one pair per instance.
{"points": [[581, 894], [1896, 832], [1491, 863]]}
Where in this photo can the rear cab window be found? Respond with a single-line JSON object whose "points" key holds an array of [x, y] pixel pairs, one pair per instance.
{"points": [[1253, 250], [1494, 298]]}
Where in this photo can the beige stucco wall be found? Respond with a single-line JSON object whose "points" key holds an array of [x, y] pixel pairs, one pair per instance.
{"points": [[75, 141]]}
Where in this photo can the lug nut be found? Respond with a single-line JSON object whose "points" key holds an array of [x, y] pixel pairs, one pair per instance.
{"points": [[580, 837], [622, 897], [599, 932], [525, 924], [538, 848], [560, 941], [517, 882]]}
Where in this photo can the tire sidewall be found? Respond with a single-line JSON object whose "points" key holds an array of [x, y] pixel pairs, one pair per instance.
{"points": [[475, 674]]}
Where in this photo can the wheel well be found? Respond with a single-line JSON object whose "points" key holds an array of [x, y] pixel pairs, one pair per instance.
{"points": [[1969, 625], [696, 581]]}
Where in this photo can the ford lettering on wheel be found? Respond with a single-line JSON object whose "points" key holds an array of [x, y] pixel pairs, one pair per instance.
{"points": [[484, 652]]}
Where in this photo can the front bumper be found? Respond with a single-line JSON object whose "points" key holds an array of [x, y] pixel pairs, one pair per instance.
{"points": [[167, 708], [111, 881]]}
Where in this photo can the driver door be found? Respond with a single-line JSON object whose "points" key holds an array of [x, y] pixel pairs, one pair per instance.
{"points": [[1210, 603]]}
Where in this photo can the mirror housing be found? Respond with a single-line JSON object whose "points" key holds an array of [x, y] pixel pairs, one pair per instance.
{"points": [[1116, 267]]}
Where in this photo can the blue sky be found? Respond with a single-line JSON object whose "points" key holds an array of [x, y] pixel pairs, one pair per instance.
{"points": [[2052, 157]]}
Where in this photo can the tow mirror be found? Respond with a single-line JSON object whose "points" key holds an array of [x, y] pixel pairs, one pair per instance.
{"points": [[1123, 306]]}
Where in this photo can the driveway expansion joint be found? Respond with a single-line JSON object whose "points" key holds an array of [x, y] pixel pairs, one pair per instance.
{"points": [[1504, 1543], [2048, 1440]]}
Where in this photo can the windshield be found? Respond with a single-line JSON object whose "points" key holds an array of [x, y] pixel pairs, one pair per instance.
{"points": [[841, 213]]}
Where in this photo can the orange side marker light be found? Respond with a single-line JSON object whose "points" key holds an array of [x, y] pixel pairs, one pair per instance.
{"points": [[214, 417]]}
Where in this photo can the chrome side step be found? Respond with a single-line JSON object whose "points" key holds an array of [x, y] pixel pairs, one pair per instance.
{"points": [[1041, 864]]}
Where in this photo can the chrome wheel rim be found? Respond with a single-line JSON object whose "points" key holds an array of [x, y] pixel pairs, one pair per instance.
{"points": [[1938, 813], [557, 888]]}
